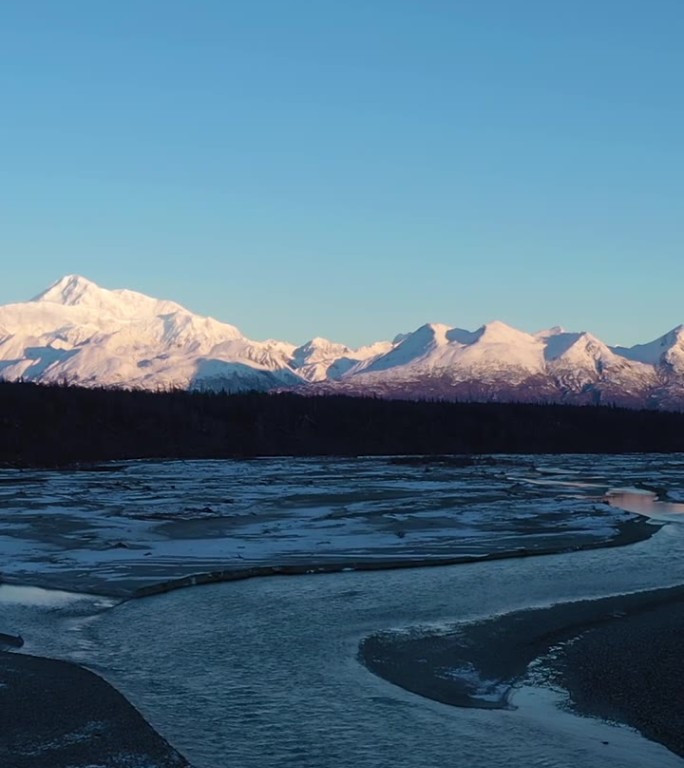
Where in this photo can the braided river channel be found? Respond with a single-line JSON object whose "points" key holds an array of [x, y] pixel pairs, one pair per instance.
{"points": [[265, 672]]}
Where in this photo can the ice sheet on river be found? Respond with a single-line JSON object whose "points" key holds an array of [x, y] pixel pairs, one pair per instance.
{"points": [[114, 528]]}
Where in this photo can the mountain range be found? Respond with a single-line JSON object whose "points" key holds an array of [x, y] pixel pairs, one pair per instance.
{"points": [[76, 332]]}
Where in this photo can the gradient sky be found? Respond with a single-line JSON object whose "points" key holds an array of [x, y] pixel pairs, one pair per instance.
{"points": [[351, 168]]}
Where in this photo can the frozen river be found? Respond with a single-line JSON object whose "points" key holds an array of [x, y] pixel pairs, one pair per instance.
{"points": [[265, 672]]}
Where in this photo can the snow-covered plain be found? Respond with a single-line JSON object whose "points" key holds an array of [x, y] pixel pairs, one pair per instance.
{"points": [[80, 333], [117, 527]]}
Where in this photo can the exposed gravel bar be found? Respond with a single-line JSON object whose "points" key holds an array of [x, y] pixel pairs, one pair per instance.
{"points": [[54, 714], [630, 671], [624, 662]]}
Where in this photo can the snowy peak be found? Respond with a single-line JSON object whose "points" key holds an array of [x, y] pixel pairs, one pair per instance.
{"points": [[661, 350], [320, 359], [412, 347], [576, 346], [78, 291], [317, 350], [68, 290], [497, 332], [580, 352]]}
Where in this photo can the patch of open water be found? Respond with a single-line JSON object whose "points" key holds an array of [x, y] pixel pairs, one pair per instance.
{"points": [[644, 502]]}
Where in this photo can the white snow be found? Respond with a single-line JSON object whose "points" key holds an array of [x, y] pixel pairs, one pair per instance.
{"points": [[668, 349], [77, 332], [320, 359]]}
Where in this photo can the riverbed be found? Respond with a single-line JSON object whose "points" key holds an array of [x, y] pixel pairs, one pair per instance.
{"points": [[265, 672]]}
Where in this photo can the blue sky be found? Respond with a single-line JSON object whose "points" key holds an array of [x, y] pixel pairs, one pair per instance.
{"points": [[351, 168]]}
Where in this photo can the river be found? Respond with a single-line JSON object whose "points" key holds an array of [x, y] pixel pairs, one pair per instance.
{"points": [[265, 672]]}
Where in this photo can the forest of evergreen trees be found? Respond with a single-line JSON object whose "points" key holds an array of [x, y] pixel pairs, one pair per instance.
{"points": [[57, 425]]}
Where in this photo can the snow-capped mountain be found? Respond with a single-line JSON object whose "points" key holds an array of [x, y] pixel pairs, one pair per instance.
{"points": [[77, 332], [498, 362]]}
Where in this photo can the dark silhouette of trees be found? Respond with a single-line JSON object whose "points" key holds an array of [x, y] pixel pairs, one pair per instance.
{"points": [[54, 425]]}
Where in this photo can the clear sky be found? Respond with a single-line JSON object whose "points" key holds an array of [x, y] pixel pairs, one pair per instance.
{"points": [[351, 168]]}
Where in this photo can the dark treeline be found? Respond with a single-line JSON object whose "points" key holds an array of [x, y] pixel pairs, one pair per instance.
{"points": [[49, 425]]}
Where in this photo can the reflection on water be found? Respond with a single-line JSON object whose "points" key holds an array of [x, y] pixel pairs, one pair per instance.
{"points": [[45, 617], [644, 503], [12, 594]]}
